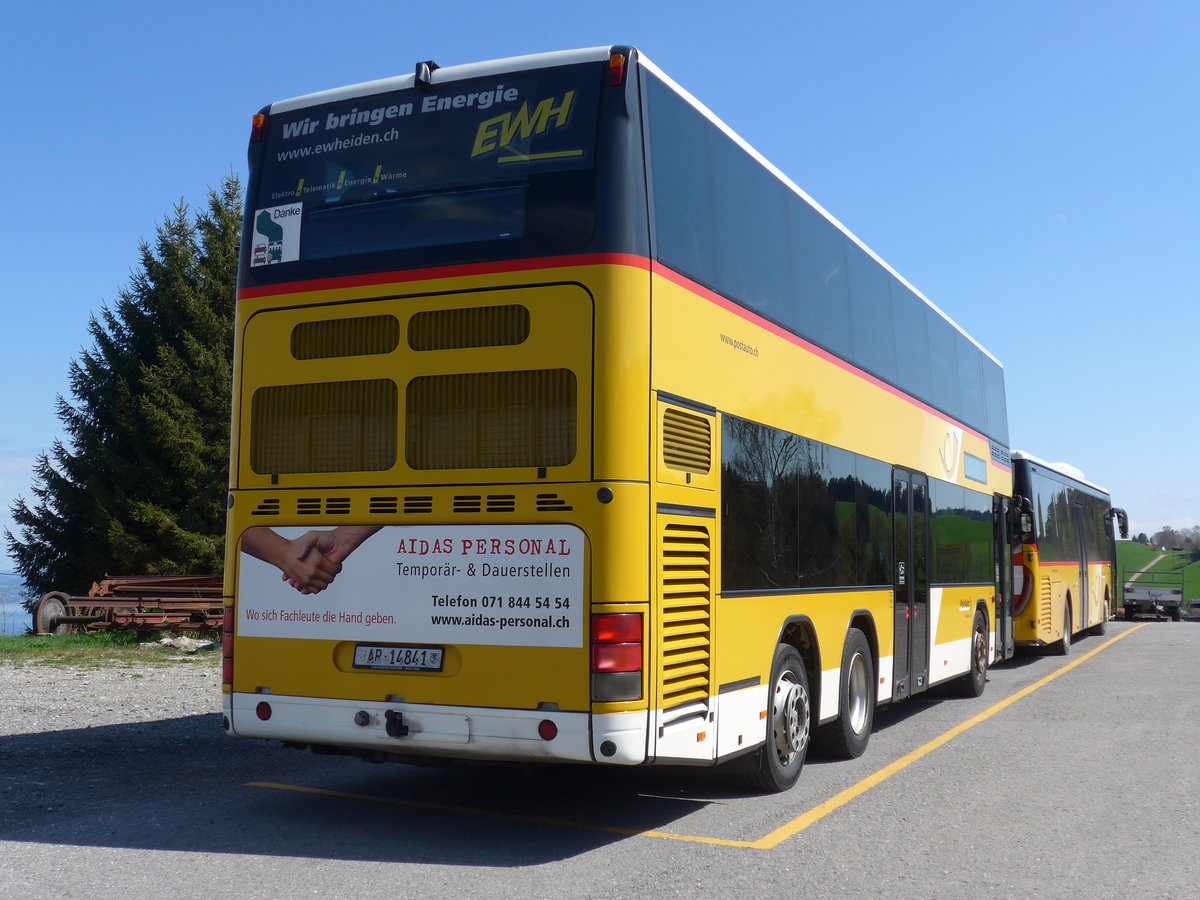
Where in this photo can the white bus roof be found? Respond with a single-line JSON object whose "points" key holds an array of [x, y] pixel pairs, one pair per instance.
{"points": [[444, 75], [1061, 468]]}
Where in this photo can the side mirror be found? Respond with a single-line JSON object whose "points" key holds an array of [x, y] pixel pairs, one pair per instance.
{"points": [[1122, 520]]}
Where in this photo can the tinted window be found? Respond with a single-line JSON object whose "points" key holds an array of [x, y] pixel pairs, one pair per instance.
{"points": [[799, 514], [962, 535], [871, 314], [874, 521], [822, 287], [752, 222], [684, 210]]}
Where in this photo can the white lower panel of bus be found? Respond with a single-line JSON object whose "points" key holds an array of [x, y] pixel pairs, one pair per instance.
{"points": [[440, 731]]}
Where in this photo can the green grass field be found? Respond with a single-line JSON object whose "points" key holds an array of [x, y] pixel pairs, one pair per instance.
{"points": [[113, 648]]}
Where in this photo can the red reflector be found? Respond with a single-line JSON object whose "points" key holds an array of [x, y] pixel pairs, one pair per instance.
{"points": [[258, 128], [616, 628], [547, 730], [263, 710], [616, 657], [616, 69]]}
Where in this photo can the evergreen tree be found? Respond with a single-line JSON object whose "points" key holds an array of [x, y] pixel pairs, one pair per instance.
{"points": [[139, 485]]}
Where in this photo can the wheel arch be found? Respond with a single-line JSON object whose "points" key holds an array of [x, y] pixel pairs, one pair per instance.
{"points": [[799, 632]]}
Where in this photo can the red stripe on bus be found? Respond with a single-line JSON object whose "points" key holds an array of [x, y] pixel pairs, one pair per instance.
{"points": [[495, 268]]}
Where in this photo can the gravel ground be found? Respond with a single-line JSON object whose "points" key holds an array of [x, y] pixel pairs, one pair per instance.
{"points": [[50, 698]]}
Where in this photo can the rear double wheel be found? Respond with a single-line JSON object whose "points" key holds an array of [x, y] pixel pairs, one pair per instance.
{"points": [[847, 737], [776, 765]]}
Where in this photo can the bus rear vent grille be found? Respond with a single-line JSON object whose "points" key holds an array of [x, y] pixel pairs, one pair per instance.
{"points": [[416, 504], [687, 442], [552, 503], [686, 613], [268, 507], [360, 336], [483, 420], [330, 506], [482, 326], [1045, 596]]}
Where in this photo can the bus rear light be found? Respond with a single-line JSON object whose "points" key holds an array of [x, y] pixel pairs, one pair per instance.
{"points": [[616, 628], [547, 730], [617, 657], [263, 710], [616, 69], [258, 128], [610, 687]]}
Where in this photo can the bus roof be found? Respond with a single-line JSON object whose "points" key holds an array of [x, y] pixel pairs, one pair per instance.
{"points": [[1061, 468], [444, 75], [498, 67]]}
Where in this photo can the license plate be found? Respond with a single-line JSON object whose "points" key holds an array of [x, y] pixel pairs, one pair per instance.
{"points": [[398, 659]]}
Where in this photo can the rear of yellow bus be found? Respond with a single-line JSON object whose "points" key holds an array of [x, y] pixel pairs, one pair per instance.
{"points": [[439, 504]]}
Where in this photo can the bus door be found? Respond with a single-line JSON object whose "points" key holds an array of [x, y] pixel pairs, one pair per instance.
{"points": [[1080, 614], [1002, 541], [910, 537]]}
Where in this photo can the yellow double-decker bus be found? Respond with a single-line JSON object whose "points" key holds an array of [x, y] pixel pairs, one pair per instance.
{"points": [[1065, 556], [568, 429]]}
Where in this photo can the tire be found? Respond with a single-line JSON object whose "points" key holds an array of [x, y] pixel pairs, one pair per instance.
{"points": [[1130, 612], [848, 736], [973, 682], [1175, 614], [777, 763], [1102, 626], [1063, 647]]}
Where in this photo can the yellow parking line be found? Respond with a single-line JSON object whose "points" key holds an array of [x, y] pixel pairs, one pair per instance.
{"points": [[768, 841], [794, 827]]}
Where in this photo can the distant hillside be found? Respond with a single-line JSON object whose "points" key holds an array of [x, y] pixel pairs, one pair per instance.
{"points": [[11, 588]]}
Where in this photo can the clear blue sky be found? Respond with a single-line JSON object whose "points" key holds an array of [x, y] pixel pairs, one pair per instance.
{"points": [[1030, 166]]}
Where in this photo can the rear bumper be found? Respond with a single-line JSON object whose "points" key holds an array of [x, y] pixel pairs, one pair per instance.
{"points": [[451, 732]]}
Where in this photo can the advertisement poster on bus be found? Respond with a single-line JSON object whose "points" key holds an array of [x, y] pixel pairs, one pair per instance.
{"points": [[494, 585]]}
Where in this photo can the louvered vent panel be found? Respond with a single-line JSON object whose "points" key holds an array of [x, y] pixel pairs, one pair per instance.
{"points": [[360, 336], [492, 420], [483, 326], [468, 503], [687, 442], [343, 426], [1045, 595], [686, 621], [305, 505]]}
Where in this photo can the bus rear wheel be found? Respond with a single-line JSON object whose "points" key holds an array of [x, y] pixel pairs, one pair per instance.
{"points": [[1063, 647], [847, 737], [1102, 626], [777, 763]]}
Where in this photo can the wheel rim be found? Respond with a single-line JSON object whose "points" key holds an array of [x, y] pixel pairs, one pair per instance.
{"points": [[47, 612], [856, 694], [789, 718]]}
